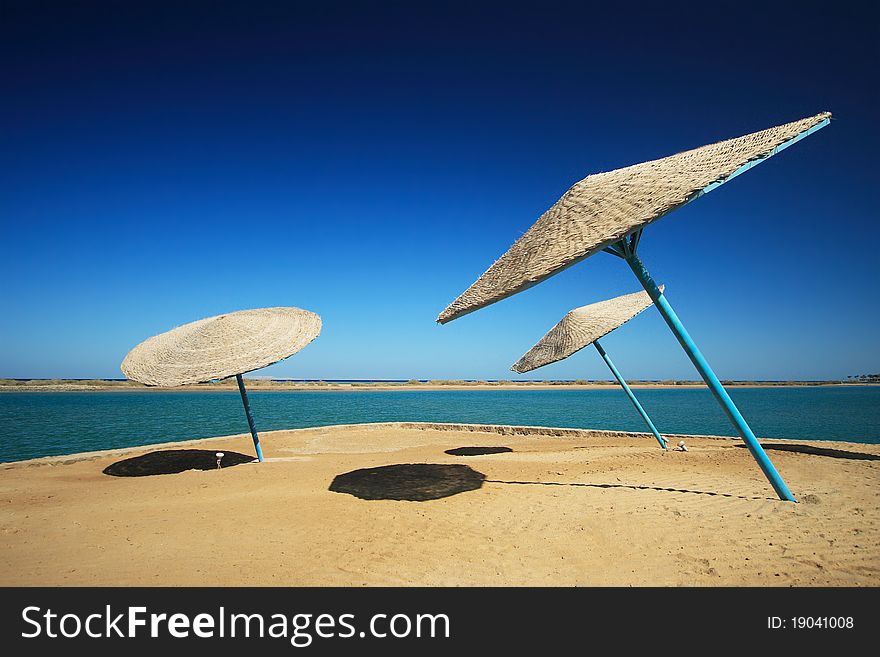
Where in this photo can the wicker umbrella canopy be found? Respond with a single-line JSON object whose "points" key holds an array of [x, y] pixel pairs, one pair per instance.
{"points": [[221, 346], [580, 328], [603, 208]]}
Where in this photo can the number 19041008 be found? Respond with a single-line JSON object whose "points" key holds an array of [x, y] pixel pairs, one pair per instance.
{"points": [[810, 623]]}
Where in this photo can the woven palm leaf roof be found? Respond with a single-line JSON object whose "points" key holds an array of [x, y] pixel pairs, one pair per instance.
{"points": [[221, 346], [605, 207], [581, 327]]}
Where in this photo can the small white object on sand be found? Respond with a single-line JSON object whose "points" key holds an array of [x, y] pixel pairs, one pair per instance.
{"points": [[681, 446], [219, 456]]}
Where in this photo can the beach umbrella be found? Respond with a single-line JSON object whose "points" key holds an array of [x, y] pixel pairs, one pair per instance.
{"points": [[608, 212], [584, 326], [222, 346]]}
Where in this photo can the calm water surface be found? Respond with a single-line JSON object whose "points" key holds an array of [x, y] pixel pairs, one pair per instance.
{"points": [[44, 424]]}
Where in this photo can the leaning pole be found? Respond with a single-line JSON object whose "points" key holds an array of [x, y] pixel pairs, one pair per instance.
{"points": [[626, 249], [250, 416], [630, 394]]}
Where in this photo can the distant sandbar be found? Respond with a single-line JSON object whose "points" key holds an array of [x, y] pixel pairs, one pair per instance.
{"points": [[284, 385]]}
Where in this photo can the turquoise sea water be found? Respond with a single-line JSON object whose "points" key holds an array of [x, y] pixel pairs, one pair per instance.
{"points": [[44, 424]]}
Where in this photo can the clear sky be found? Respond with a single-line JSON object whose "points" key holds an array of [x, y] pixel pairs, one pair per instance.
{"points": [[165, 161]]}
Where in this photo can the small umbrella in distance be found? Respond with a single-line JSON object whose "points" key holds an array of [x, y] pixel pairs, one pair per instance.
{"points": [[584, 326]]}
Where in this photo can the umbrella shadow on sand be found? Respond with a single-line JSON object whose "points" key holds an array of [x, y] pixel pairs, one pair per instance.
{"points": [[476, 451], [665, 489], [820, 451], [173, 461], [420, 482], [416, 482]]}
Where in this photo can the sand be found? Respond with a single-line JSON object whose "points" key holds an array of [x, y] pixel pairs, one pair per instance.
{"points": [[576, 508]]}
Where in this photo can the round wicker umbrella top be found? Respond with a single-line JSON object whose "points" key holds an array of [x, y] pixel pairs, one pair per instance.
{"points": [[221, 346], [582, 327], [605, 207]]}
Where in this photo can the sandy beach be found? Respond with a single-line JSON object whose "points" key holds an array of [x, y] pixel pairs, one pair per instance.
{"points": [[562, 507]]}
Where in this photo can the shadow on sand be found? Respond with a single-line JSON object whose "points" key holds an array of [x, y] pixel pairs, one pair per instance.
{"points": [[820, 451], [629, 486], [416, 482], [173, 461], [476, 451]]}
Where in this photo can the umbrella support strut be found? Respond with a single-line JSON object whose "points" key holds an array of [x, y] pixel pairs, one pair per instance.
{"points": [[630, 394], [627, 247], [250, 417]]}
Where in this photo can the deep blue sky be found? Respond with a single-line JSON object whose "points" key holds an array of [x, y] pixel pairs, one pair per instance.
{"points": [[161, 162]]}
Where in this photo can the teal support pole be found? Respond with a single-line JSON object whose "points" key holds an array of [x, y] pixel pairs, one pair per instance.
{"points": [[250, 417], [630, 394], [628, 253]]}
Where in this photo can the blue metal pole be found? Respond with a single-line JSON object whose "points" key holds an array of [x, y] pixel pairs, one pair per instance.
{"points": [[250, 417], [706, 372], [630, 394]]}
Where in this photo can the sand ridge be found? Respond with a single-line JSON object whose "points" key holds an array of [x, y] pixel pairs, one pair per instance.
{"points": [[582, 508]]}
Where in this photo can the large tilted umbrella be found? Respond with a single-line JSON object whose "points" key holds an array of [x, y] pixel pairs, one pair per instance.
{"points": [[608, 211], [220, 347], [584, 326]]}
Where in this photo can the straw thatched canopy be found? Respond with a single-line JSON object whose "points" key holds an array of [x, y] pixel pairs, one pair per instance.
{"points": [[580, 328], [221, 346], [605, 207]]}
